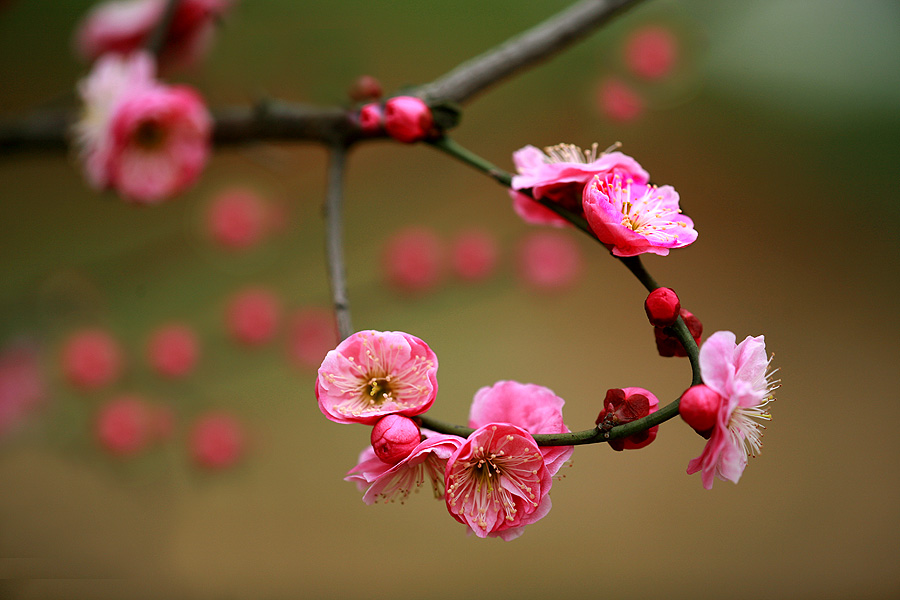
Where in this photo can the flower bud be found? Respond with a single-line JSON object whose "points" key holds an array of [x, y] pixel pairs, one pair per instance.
{"points": [[365, 87], [668, 345], [370, 118], [394, 437], [624, 406], [662, 307], [407, 119], [699, 407]]}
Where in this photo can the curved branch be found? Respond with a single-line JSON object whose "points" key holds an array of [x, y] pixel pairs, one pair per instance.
{"points": [[522, 51]]}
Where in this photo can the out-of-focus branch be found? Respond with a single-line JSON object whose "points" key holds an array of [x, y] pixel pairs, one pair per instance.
{"points": [[157, 38], [334, 199], [522, 51]]}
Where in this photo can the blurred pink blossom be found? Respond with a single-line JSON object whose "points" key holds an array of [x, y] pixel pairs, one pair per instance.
{"points": [[426, 463], [253, 315], [217, 440], [412, 260], [534, 408], [651, 51], [497, 482], [407, 119], [740, 374], [238, 218], [91, 359], [474, 254], [173, 350], [124, 425], [23, 388], [311, 335], [125, 26], [377, 373], [632, 218], [559, 174], [549, 260], [618, 101]]}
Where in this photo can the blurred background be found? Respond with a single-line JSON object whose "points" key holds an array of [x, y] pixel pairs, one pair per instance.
{"points": [[776, 121]]}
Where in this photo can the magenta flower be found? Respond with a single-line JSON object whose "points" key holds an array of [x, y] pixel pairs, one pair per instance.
{"points": [[559, 174], [497, 482], [124, 26], [631, 217], [534, 408], [376, 373], [740, 374], [385, 482]]}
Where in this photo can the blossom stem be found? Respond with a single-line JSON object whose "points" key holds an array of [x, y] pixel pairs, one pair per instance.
{"points": [[157, 38], [334, 196]]}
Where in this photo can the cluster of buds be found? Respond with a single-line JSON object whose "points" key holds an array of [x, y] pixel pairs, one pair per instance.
{"points": [[407, 119], [663, 309]]}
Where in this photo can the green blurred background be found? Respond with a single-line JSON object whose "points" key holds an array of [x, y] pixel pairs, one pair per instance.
{"points": [[780, 131]]}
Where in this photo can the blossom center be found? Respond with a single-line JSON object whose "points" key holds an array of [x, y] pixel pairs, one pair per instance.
{"points": [[746, 427], [644, 213], [379, 389], [149, 135], [570, 153]]}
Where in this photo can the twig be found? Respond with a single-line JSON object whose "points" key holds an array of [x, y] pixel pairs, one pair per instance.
{"points": [[334, 196]]}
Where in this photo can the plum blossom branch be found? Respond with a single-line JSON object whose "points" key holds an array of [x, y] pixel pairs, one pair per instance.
{"points": [[334, 242]]}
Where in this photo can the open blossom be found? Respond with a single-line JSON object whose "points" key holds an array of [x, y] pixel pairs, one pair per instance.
{"points": [[376, 373], [534, 408], [559, 174], [383, 482], [740, 374], [144, 139], [125, 26], [631, 217], [497, 482]]}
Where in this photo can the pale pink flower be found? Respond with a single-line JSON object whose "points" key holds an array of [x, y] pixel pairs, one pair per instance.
{"points": [[630, 217], [549, 260], [23, 388], [217, 440], [412, 260], [124, 26], [427, 462], [124, 426], [377, 373], [740, 374], [173, 350], [253, 315], [144, 139], [311, 335], [559, 174], [91, 359], [618, 101], [497, 482], [651, 51], [534, 408]]}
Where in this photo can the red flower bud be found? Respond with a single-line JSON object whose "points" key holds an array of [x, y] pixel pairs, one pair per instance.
{"points": [[699, 407], [668, 345], [662, 307], [370, 117], [365, 87], [407, 119], [624, 406]]}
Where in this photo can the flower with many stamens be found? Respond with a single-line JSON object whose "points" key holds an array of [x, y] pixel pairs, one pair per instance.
{"points": [[376, 373], [497, 482], [558, 174], [740, 374], [383, 482], [631, 217]]}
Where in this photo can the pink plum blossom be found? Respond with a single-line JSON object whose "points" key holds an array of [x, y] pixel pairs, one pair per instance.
{"points": [[383, 482], [217, 440], [394, 437], [559, 174], [624, 406], [124, 425], [740, 374], [253, 315], [377, 373], [237, 218], [91, 359], [651, 51], [473, 255], [173, 350], [497, 482], [125, 26], [631, 218], [412, 260], [23, 387], [618, 101], [407, 119], [549, 260], [534, 408], [311, 334], [146, 140]]}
